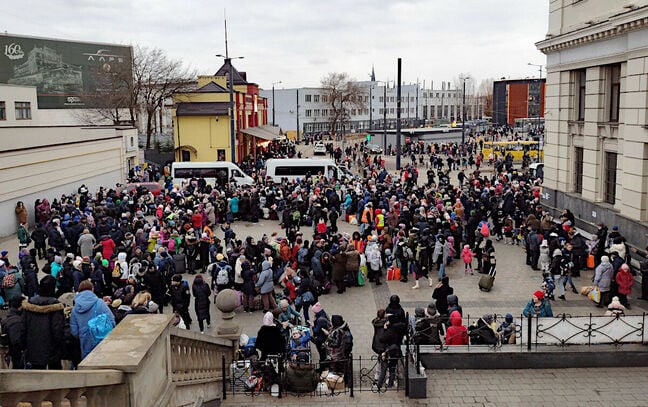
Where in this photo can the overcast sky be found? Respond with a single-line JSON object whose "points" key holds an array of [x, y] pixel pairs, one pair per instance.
{"points": [[299, 41]]}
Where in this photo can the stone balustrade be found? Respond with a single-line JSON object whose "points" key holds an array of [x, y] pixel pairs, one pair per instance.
{"points": [[143, 362], [96, 388]]}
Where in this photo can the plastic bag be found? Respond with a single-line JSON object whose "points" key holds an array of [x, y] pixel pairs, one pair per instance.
{"points": [[595, 295]]}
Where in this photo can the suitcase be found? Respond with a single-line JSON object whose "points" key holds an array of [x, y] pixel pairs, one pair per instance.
{"points": [[486, 282], [180, 263], [393, 273]]}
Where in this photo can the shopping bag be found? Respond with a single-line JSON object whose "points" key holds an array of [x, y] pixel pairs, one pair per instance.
{"points": [[595, 295], [361, 280]]}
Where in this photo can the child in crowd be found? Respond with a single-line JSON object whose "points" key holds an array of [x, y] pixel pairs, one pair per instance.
{"points": [[467, 256]]}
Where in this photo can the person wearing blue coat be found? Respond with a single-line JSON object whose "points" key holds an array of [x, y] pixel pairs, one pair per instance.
{"points": [[266, 288], [85, 305]]}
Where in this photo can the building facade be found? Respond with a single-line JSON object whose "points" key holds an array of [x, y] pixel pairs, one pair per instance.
{"points": [[420, 106], [201, 120], [40, 159], [515, 99], [596, 152]]}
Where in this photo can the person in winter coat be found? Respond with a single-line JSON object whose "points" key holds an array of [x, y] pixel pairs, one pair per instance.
{"points": [[180, 298], [316, 266], [467, 256], [426, 330], [624, 280], [43, 321], [155, 284], [374, 260], [269, 339], [86, 306], [545, 258], [320, 326], [21, 213], [394, 308], [13, 327], [13, 284], [352, 265], [483, 332], [378, 324], [538, 306], [453, 304], [39, 236], [440, 294], [248, 290], [265, 286], [603, 275], [457, 334], [338, 271], [392, 339], [201, 292], [337, 344], [86, 243], [30, 274]]}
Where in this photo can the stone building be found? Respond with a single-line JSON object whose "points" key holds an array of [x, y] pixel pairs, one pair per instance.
{"points": [[596, 152]]}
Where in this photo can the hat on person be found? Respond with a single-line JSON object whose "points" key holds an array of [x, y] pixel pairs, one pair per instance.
{"points": [[544, 243], [419, 312], [47, 286], [317, 307], [268, 319], [539, 294], [508, 318], [431, 310], [615, 228], [116, 303], [220, 257], [4, 253], [176, 277], [104, 262]]}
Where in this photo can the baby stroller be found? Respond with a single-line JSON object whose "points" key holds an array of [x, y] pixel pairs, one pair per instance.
{"points": [[299, 344], [548, 285]]}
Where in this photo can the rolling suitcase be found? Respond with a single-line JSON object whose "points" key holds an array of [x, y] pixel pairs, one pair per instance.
{"points": [[486, 281], [180, 263]]}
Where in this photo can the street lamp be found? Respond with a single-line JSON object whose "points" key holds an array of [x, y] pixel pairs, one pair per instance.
{"points": [[463, 111], [273, 102], [228, 61]]}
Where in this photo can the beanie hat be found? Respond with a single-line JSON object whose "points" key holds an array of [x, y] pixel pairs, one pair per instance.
{"points": [[104, 263], [317, 307], [47, 286], [176, 277], [539, 294]]}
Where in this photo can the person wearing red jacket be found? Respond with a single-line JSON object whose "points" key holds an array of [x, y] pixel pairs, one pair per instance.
{"points": [[624, 280], [456, 334]]}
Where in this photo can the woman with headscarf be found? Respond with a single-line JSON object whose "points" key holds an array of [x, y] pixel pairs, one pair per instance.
{"points": [[201, 292], [269, 340]]}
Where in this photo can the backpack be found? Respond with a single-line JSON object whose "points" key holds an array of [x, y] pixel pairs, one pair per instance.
{"points": [[116, 272], [316, 288], [9, 280], [484, 229], [99, 326], [222, 275], [407, 253]]}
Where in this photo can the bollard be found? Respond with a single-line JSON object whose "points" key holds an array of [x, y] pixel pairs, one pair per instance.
{"points": [[529, 322]]}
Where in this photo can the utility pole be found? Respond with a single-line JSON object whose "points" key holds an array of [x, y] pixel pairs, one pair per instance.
{"points": [[273, 103], [398, 118], [297, 114], [370, 107], [385, 116]]}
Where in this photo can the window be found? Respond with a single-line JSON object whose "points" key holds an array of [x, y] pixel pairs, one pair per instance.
{"points": [[324, 99], [23, 111], [353, 112], [307, 98], [610, 177], [391, 110], [309, 113], [391, 99], [3, 111], [615, 91], [316, 98], [580, 102], [380, 99], [437, 95], [316, 112], [578, 170], [324, 112]]}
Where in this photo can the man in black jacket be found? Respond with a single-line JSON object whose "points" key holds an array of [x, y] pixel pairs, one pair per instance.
{"points": [[12, 325], [43, 327]]}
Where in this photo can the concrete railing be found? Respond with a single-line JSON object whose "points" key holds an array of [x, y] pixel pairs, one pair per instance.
{"points": [[34, 387], [143, 362]]}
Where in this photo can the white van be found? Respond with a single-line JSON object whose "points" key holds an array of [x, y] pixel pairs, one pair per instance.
{"points": [[297, 168], [214, 172]]}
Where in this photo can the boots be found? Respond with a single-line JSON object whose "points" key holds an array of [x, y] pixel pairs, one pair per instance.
{"points": [[471, 271], [416, 286]]}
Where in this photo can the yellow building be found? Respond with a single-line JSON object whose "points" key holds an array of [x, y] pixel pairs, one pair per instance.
{"points": [[201, 121]]}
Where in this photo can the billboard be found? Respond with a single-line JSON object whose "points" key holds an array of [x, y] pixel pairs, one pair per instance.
{"points": [[67, 74]]}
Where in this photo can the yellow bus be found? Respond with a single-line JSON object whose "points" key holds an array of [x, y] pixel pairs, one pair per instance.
{"points": [[496, 149]]}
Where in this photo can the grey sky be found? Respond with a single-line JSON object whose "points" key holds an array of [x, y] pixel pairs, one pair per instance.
{"points": [[299, 41]]}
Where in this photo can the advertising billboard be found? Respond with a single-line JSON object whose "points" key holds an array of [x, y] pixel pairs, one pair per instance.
{"points": [[67, 74]]}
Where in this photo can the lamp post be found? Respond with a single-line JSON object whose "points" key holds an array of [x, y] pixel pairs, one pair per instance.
{"points": [[273, 103], [463, 111], [539, 66], [228, 61]]}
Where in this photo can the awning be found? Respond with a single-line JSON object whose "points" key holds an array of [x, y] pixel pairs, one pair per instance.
{"points": [[263, 132], [187, 147]]}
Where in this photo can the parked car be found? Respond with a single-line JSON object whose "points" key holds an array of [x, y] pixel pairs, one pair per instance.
{"points": [[152, 187], [373, 149], [319, 148]]}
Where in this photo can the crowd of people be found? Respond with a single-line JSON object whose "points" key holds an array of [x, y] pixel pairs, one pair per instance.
{"points": [[119, 252]]}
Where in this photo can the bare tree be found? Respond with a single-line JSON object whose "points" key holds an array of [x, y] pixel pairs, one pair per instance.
{"points": [[155, 79], [486, 93], [342, 93], [143, 86]]}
